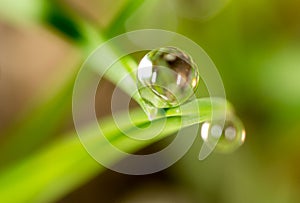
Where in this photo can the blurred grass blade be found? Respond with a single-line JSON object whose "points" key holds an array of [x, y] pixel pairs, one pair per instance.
{"points": [[22, 11], [117, 26], [66, 164], [42, 122], [37, 126]]}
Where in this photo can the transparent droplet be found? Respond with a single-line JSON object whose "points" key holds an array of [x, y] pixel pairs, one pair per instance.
{"points": [[224, 136], [153, 112], [166, 77]]}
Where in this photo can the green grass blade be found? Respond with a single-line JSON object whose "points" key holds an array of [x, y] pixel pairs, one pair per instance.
{"points": [[117, 26], [48, 117], [22, 11], [42, 120], [59, 168]]}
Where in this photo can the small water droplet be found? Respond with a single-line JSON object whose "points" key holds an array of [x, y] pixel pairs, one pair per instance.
{"points": [[153, 112], [225, 138], [167, 77]]}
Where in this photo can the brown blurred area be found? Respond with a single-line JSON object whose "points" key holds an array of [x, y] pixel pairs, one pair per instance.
{"points": [[34, 62]]}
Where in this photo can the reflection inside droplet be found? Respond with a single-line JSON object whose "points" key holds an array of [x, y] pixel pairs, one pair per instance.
{"points": [[230, 133], [225, 138], [216, 131]]}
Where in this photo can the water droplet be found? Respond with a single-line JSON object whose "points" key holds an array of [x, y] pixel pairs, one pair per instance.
{"points": [[167, 77], [153, 112], [224, 136]]}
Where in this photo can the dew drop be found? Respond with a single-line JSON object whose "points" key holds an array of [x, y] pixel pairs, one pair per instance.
{"points": [[166, 77], [225, 138], [153, 112]]}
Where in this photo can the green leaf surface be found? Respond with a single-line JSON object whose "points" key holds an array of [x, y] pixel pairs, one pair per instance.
{"points": [[63, 165]]}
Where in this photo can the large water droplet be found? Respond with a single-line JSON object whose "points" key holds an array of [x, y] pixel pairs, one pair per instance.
{"points": [[167, 77], [224, 136]]}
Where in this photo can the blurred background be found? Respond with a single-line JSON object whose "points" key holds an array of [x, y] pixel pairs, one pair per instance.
{"points": [[255, 46]]}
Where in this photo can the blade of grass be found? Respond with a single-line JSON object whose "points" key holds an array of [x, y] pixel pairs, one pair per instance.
{"points": [[22, 11], [117, 26], [42, 122], [67, 165], [48, 117], [28, 130]]}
